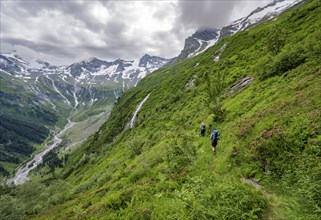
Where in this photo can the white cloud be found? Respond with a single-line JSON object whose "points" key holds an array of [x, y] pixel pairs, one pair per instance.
{"points": [[100, 12], [64, 31]]}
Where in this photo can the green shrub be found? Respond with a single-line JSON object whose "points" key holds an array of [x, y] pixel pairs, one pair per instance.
{"points": [[207, 198], [285, 61], [276, 39], [288, 60]]}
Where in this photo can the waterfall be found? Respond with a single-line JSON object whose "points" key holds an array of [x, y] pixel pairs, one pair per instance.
{"points": [[131, 123], [56, 89]]}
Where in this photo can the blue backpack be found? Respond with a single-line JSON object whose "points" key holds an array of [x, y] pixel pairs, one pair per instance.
{"points": [[214, 136]]}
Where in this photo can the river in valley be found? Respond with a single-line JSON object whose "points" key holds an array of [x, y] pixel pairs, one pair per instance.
{"points": [[21, 174]]}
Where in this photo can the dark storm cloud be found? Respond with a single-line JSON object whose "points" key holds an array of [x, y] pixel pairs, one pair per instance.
{"points": [[79, 25], [117, 44], [76, 9], [205, 14], [42, 47], [114, 30], [116, 51]]}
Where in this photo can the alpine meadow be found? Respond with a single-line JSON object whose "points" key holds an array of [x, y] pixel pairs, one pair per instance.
{"points": [[261, 88]]}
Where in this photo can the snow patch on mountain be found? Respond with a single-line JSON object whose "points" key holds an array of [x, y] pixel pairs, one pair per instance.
{"points": [[205, 45], [265, 13], [201, 40], [90, 71]]}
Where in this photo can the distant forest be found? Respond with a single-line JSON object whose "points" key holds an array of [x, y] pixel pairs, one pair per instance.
{"points": [[15, 138]]}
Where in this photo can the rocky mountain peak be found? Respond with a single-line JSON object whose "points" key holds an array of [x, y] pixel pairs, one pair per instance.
{"points": [[203, 39], [206, 34], [148, 61], [91, 70]]}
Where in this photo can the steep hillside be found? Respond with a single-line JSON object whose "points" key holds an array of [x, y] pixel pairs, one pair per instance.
{"points": [[260, 88]]}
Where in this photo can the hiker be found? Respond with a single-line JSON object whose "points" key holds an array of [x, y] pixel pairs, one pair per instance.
{"points": [[203, 128], [214, 139]]}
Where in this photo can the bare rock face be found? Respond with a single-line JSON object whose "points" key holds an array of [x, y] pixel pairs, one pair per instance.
{"points": [[206, 34], [218, 53], [240, 85]]}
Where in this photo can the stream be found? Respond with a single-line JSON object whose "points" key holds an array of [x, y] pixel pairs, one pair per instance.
{"points": [[131, 123], [23, 171]]}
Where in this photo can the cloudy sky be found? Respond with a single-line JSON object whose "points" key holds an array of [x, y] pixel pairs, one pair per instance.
{"points": [[63, 32]]}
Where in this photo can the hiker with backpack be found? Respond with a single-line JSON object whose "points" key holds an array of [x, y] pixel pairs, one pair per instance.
{"points": [[214, 138], [203, 129]]}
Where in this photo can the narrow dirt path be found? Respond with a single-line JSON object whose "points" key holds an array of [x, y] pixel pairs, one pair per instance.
{"points": [[271, 198]]}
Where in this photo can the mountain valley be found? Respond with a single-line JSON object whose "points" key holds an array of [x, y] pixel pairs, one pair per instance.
{"points": [[38, 97], [139, 151]]}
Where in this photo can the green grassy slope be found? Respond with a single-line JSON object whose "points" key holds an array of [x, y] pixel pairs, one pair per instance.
{"points": [[162, 168]]}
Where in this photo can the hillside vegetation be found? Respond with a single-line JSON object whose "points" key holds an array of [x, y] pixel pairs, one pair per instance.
{"points": [[33, 108], [21, 123], [162, 169]]}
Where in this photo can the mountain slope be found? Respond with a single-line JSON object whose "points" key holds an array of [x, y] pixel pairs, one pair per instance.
{"points": [[203, 39], [162, 169]]}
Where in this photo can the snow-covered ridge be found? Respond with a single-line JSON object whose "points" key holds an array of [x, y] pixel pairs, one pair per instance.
{"points": [[207, 44], [210, 37], [79, 84], [265, 13], [90, 70]]}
